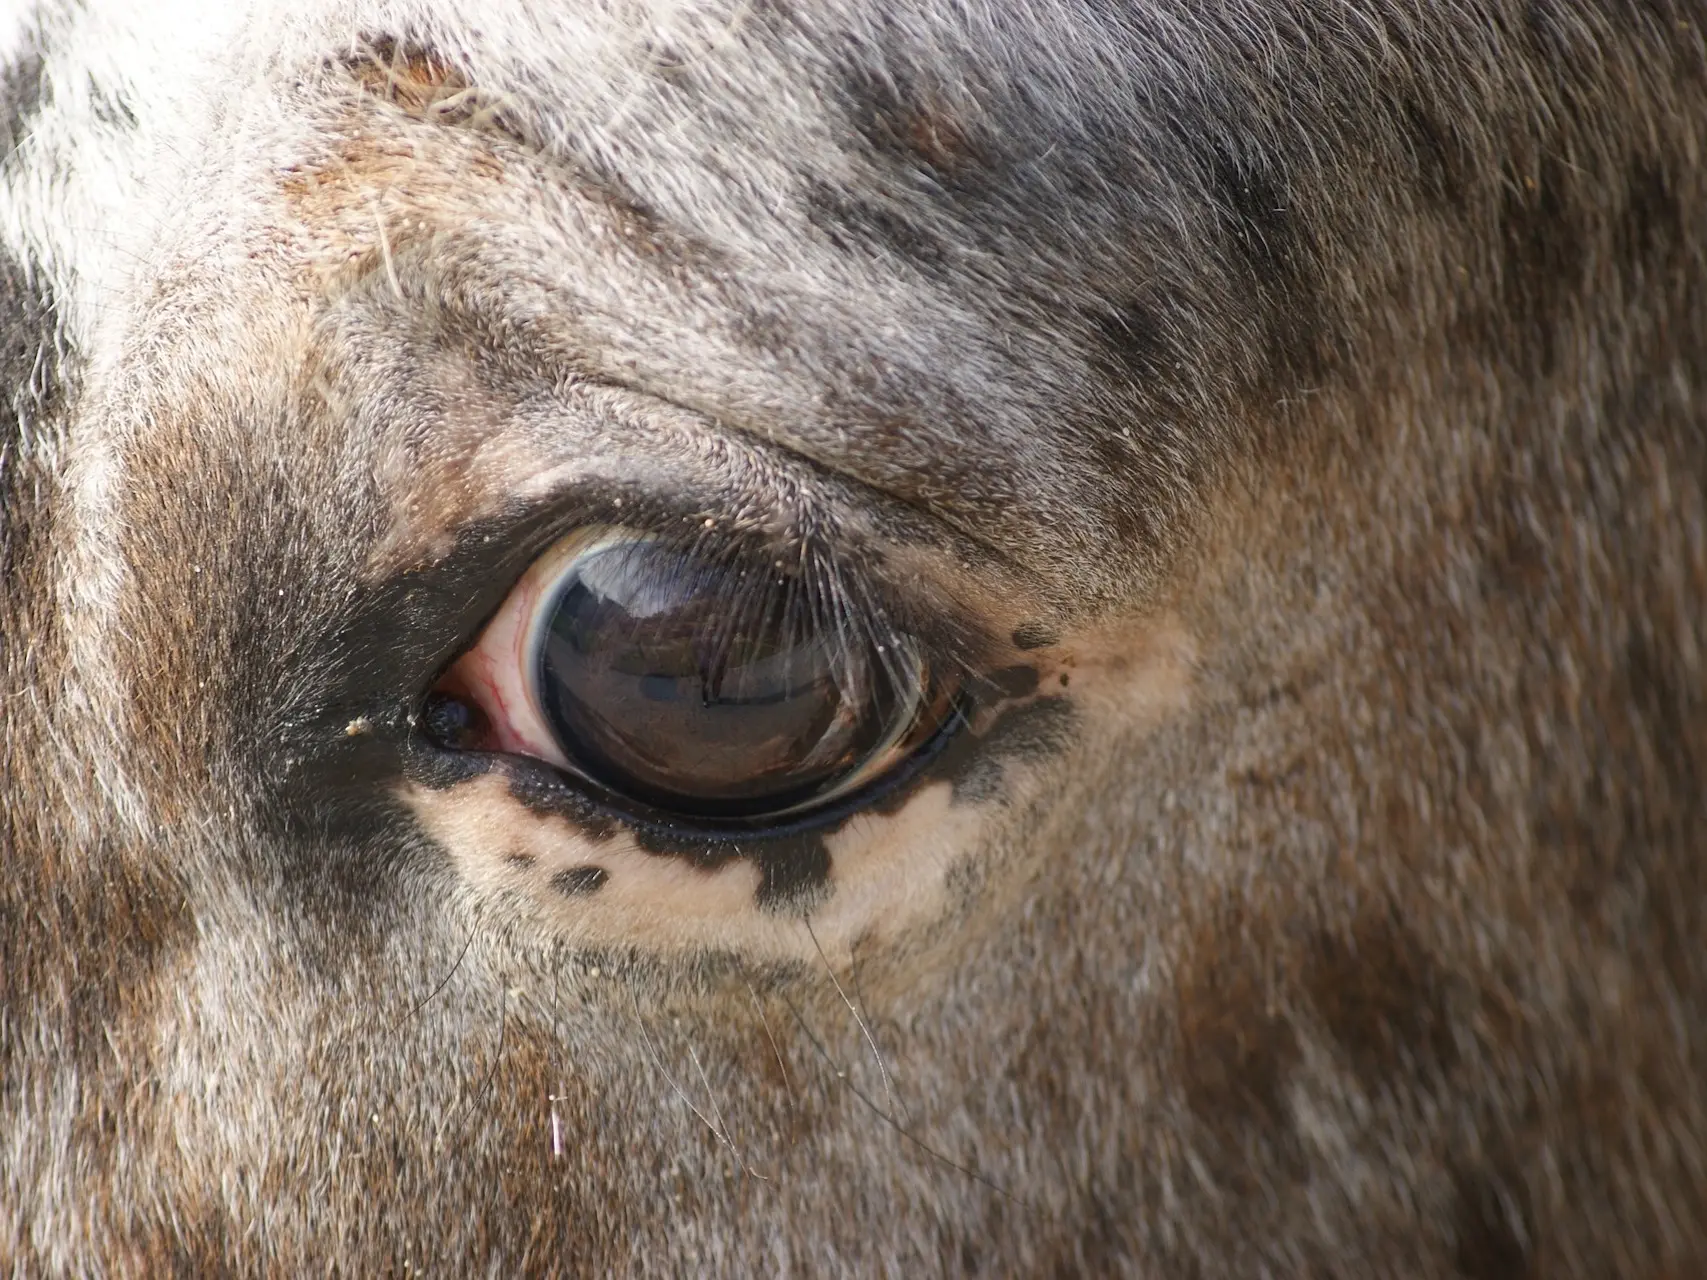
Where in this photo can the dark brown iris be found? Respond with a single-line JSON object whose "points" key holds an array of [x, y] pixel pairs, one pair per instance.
{"points": [[706, 690]]}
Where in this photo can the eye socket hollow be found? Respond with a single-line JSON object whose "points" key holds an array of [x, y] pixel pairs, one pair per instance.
{"points": [[706, 689]]}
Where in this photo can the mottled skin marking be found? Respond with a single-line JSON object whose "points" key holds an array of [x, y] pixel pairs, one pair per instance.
{"points": [[579, 882], [513, 826], [1035, 635]]}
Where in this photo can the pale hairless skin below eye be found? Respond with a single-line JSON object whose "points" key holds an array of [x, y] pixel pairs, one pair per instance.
{"points": [[1274, 431]]}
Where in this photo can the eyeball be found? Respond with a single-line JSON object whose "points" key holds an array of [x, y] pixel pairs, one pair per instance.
{"points": [[709, 689]]}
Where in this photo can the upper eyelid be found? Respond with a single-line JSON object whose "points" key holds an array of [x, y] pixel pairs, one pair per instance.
{"points": [[628, 428], [686, 520], [641, 459], [576, 450], [805, 472], [710, 466]]}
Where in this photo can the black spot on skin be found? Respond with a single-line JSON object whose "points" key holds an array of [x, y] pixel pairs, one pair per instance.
{"points": [[794, 866], [973, 763], [708, 852], [1489, 1224], [521, 861], [1035, 635], [797, 881], [580, 882]]}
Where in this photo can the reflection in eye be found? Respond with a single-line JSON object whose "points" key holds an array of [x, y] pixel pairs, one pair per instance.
{"points": [[705, 689]]}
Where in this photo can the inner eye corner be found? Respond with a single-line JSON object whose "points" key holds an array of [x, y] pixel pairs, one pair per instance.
{"points": [[452, 719]]}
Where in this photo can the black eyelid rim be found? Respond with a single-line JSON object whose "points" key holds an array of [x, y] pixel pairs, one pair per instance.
{"points": [[663, 832]]}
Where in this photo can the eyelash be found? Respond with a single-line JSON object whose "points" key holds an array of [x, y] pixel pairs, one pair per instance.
{"points": [[843, 593]]}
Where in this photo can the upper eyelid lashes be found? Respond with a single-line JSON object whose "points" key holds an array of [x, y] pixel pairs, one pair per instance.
{"points": [[684, 521]]}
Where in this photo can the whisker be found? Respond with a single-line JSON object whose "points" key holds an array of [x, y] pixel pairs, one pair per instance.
{"points": [[864, 1030], [443, 983], [981, 1179], [727, 1134], [491, 1071], [853, 975], [765, 1022], [385, 250], [658, 1059]]}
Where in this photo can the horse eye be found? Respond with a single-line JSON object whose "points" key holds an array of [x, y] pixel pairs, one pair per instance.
{"points": [[708, 690]]}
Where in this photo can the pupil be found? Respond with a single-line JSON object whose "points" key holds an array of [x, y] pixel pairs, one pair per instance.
{"points": [[698, 688]]}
